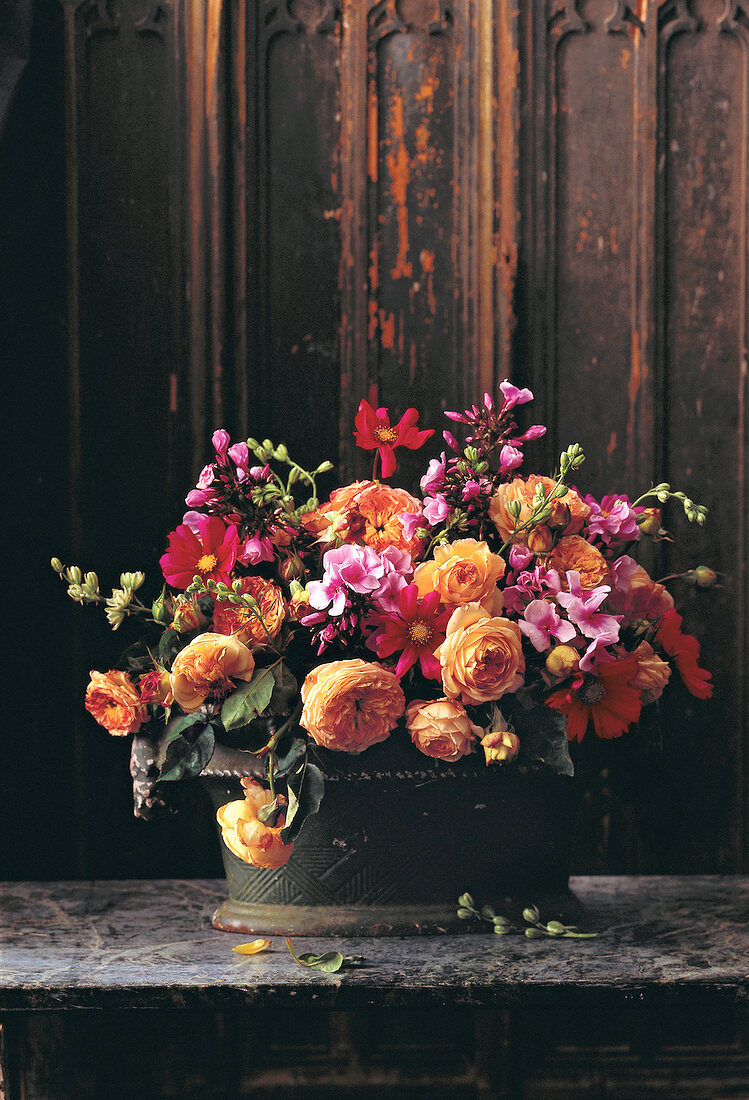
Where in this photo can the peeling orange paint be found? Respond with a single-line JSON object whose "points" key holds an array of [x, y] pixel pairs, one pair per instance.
{"points": [[374, 265], [399, 170], [624, 59], [372, 142], [387, 329], [427, 266], [611, 447], [372, 326], [613, 243]]}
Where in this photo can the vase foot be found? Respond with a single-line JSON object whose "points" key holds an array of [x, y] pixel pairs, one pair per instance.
{"points": [[385, 920]]}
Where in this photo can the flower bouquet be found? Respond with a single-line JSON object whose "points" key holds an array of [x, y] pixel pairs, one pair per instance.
{"points": [[440, 639]]}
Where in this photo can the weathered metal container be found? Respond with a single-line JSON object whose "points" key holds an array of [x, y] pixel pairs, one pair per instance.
{"points": [[397, 838]]}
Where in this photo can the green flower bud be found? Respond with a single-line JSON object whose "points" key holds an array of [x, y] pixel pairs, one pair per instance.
{"points": [[74, 574], [487, 912], [466, 901], [556, 928], [281, 453], [75, 592], [531, 913], [57, 565], [533, 933], [268, 446], [502, 922], [501, 930], [465, 914], [705, 577], [324, 467], [92, 583], [514, 507]]}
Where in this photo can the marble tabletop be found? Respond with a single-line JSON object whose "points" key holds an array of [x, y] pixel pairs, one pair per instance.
{"points": [[150, 944]]}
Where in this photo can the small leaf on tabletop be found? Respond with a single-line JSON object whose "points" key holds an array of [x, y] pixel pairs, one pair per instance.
{"points": [[254, 947], [329, 962]]}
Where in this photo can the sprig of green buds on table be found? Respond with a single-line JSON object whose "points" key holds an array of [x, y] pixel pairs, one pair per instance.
{"points": [[535, 929]]}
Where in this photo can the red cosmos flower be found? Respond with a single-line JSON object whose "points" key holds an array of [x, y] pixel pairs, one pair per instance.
{"points": [[607, 700], [415, 631], [685, 650], [373, 432], [210, 553]]}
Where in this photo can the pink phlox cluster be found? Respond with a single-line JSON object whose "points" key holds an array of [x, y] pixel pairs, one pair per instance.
{"points": [[362, 571], [527, 586], [621, 573], [542, 622], [613, 519], [475, 488], [254, 550], [582, 610], [596, 654]]}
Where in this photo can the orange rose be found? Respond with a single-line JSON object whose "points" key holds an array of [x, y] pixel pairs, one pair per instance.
{"points": [[156, 687], [246, 835], [243, 621], [523, 490], [652, 673], [207, 666], [481, 656], [114, 701], [441, 729], [465, 571], [366, 512], [350, 705], [338, 516], [574, 553]]}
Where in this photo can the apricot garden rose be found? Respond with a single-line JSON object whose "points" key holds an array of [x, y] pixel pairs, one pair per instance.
{"points": [[576, 554], [523, 489], [208, 666], [441, 729], [481, 656], [465, 571], [246, 835], [114, 701], [350, 705], [250, 626]]}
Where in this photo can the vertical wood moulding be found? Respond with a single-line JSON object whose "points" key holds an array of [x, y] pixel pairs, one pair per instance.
{"points": [[353, 282], [196, 228], [237, 81], [488, 324], [507, 219]]}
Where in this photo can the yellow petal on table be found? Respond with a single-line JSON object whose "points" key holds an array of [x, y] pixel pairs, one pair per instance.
{"points": [[254, 947]]}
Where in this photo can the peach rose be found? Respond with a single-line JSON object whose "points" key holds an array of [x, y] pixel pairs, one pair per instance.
{"points": [[114, 701], [366, 512], [207, 666], [350, 705], [156, 688], [523, 490], [246, 835], [465, 571], [481, 656], [652, 673], [243, 622], [575, 553], [441, 729]]}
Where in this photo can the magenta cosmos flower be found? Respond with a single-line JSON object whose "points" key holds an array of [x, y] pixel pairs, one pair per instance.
{"points": [[209, 552], [415, 630], [373, 432]]}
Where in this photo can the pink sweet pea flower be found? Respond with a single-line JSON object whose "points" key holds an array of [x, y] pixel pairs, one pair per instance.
{"points": [[596, 654], [410, 524], [255, 550], [240, 455], [434, 478], [621, 573], [541, 622], [436, 509], [582, 609], [520, 556], [513, 396], [613, 519]]}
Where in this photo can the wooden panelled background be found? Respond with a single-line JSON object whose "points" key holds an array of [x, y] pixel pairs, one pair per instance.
{"points": [[248, 213]]}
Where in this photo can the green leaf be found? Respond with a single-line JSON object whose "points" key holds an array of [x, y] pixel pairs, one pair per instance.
{"points": [[306, 788], [285, 688], [286, 763], [248, 700], [187, 755], [169, 645], [543, 739], [328, 963]]}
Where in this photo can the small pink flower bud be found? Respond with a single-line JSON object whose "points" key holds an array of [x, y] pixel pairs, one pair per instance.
{"points": [[500, 746]]}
